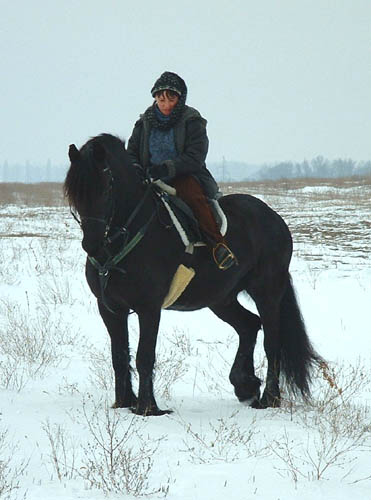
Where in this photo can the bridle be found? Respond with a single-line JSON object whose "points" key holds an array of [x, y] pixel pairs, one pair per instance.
{"points": [[107, 221], [113, 260]]}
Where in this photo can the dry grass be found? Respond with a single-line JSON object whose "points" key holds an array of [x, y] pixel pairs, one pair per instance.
{"points": [[50, 194], [117, 457], [323, 211], [348, 189], [46, 194], [299, 183], [332, 214]]}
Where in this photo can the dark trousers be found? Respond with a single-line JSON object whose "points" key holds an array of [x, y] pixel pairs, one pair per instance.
{"points": [[190, 191]]}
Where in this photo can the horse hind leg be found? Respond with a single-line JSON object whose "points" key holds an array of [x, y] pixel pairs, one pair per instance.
{"points": [[270, 319], [286, 343], [268, 302], [242, 376]]}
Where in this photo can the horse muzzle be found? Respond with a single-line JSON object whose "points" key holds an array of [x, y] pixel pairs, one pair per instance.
{"points": [[92, 243]]}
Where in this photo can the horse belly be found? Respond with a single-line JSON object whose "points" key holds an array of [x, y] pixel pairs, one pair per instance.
{"points": [[205, 292]]}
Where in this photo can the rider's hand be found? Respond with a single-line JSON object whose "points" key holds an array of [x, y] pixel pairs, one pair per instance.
{"points": [[158, 171]]}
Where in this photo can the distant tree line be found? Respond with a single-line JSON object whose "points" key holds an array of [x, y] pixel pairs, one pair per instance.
{"points": [[225, 171], [232, 171], [319, 167], [29, 173]]}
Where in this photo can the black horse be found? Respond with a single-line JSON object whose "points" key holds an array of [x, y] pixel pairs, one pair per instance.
{"points": [[133, 252]]}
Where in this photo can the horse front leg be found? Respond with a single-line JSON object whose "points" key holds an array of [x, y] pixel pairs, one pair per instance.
{"points": [[149, 321], [117, 326]]}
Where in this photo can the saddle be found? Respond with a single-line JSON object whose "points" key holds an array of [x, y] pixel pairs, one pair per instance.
{"points": [[189, 231], [183, 217]]}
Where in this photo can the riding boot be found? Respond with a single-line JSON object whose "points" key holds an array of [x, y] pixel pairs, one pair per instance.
{"points": [[190, 191]]}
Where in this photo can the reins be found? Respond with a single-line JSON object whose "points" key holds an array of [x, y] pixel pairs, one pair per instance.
{"points": [[128, 246], [113, 261]]}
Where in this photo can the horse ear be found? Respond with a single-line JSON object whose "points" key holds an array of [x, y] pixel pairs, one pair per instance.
{"points": [[73, 153], [99, 153]]}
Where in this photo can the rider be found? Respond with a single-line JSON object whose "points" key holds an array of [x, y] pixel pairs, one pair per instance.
{"points": [[170, 141]]}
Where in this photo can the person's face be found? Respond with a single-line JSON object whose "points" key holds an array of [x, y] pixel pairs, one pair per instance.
{"points": [[166, 101]]}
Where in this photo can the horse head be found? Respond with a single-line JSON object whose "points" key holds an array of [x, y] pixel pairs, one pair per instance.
{"points": [[88, 188]]}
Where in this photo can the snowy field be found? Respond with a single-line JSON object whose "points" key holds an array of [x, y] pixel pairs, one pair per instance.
{"points": [[60, 439]]}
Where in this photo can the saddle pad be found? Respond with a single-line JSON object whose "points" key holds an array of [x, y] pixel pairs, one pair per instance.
{"points": [[186, 230], [181, 280]]}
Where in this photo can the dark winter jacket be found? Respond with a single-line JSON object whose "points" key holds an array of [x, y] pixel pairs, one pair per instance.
{"points": [[191, 143]]}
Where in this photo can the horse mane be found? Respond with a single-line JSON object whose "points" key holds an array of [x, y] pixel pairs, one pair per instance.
{"points": [[84, 181]]}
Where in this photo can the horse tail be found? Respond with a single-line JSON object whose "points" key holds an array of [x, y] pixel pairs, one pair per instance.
{"points": [[298, 356]]}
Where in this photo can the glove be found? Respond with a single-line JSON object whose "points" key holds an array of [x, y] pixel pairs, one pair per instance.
{"points": [[158, 172]]}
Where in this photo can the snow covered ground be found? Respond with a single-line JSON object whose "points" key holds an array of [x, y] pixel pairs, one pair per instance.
{"points": [[60, 439]]}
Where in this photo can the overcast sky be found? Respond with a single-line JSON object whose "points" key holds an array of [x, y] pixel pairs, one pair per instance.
{"points": [[276, 80]]}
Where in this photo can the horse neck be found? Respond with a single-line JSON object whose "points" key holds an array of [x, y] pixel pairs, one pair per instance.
{"points": [[129, 192]]}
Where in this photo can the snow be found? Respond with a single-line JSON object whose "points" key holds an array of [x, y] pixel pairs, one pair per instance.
{"points": [[327, 189], [318, 189], [57, 379]]}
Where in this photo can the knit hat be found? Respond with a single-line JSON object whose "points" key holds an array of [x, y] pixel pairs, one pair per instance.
{"points": [[170, 81]]}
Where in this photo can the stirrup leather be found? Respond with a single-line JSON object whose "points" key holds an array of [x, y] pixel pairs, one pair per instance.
{"points": [[223, 256]]}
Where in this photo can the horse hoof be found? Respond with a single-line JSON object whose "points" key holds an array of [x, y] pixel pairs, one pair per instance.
{"points": [[246, 388], [252, 402], [256, 404], [150, 412], [247, 397], [124, 404], [270, 401], [116, 405]]}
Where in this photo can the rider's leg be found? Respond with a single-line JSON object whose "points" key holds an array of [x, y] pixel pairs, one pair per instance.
{"points": [[190, 191]]}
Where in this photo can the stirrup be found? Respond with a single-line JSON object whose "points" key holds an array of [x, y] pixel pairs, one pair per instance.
{"points": [[223, 256]]}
